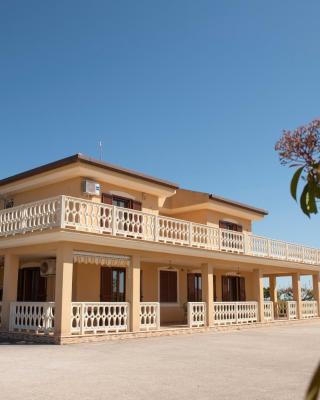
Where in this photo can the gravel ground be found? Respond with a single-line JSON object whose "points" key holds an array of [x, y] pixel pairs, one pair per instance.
{"points": [[260, 363]]}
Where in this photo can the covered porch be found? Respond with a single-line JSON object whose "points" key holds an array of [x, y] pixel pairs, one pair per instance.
{"points": [[92, 292]]}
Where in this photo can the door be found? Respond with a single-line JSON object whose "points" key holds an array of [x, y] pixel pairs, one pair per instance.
{"points": [[233, 288], [194, 286], [113, 284], [31, 285]]}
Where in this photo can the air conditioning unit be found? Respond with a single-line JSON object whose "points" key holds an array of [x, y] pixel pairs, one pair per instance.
{"points": [[90, 187], [48, 267]]}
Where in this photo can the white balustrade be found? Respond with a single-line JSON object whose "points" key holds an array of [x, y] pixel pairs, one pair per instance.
{"points": [[268, 311], [95, 217], [149, 316], [196, 314], [309, 309], [231, 241], [30, 217], [36, 317], [286, 309], [97, 317], [235, 312]]}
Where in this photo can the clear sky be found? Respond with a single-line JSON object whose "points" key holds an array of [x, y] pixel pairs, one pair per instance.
{"points": [[196, 92]]}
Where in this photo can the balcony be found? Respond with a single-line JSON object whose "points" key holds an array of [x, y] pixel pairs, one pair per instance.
{"points": [[72, 213]]}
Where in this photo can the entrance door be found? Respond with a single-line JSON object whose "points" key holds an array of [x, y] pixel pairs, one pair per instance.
{"points": [[194, 287], [233, 288], [31, 285], [113, 284]]}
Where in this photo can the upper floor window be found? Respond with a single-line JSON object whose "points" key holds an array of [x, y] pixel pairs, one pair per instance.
{"points": [[119, 201], [230, 226]]}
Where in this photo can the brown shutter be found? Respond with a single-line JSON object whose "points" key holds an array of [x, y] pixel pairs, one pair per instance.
{"points": [[40, 286], [164, 286], [141, 285], [172, 287], [20, 285], [106, 284], [106, 198], [191, 287], [136, 205], [242, 289], [222, 225], [225, 288]]}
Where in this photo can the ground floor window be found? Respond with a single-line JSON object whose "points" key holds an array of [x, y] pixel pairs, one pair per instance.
{"points": [[113, 284], [194, 286], [168, 286], [31, 285], [233, 288]]}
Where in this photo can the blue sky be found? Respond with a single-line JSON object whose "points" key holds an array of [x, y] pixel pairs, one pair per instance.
{"points": [[196, 92]]}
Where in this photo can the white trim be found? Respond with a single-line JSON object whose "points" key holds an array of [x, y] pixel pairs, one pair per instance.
{"points": [[30, 264], [170, 269], [120, 194]]}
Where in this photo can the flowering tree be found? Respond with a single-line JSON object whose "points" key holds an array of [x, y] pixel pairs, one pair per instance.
{"points": [[300, 149]]}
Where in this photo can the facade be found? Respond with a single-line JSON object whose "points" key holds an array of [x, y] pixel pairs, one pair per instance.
{"points": [[90, 249]]}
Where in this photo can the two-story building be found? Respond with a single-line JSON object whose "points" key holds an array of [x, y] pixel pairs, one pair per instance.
{"points": [[89, 249]]}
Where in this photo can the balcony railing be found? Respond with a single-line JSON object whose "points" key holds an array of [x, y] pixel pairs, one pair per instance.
{"points": [[87, 216]]}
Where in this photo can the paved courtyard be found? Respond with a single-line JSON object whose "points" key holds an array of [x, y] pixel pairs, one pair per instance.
{"points": [[259, 363]]}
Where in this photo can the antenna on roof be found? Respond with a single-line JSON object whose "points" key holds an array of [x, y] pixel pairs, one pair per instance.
{"points": [[100, 150]]}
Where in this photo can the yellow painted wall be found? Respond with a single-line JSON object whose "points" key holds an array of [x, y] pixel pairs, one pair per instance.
{"points": [[73, 187]]}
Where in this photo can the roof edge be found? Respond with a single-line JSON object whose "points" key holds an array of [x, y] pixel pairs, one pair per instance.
{"points": [[79, 157]]}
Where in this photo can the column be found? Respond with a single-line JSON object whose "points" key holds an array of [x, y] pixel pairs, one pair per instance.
{"points": [[133, 293], [10, 285], [63, 290], [207, 292], [316, 289], [258, 293], [296, 286], [273, 288]]}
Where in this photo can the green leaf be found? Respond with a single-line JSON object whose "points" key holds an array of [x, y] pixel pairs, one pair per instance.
{"points": [[294, 182], [314, 387], [311, 197], [303, 200]]}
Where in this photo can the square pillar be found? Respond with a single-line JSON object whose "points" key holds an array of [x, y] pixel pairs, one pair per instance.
{"points": [[63, 290], [258, 293], [273, 288], [133, 293], [10, 288], [296, 287], [207, 291], [316, 289]]}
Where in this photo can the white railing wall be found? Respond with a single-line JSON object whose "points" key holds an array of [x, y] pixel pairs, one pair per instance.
{"points": [[268, 311], [286, 309], [196, 314], [309, 309], [235, 312], [149, 316], [37, 317], [88, 216], [96, 317]]}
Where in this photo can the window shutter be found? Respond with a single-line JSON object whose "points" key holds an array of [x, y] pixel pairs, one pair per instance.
{"points": [[163, 286], [214, 288], [106, 284], [225, 288], [106, 198], [136, 205], [242, 289], [191, 287], [20, 285], [172, 287]]}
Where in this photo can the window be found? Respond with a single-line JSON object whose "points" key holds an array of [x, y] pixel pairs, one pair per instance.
{"points": [[233, 288], [230, 226], [194, 287], [119, 201], [112, 284], [214, 288], [168, 287], [31, 285]]}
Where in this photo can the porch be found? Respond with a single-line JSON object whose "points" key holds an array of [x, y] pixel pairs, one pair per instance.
{"points": [[96, 294]]}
